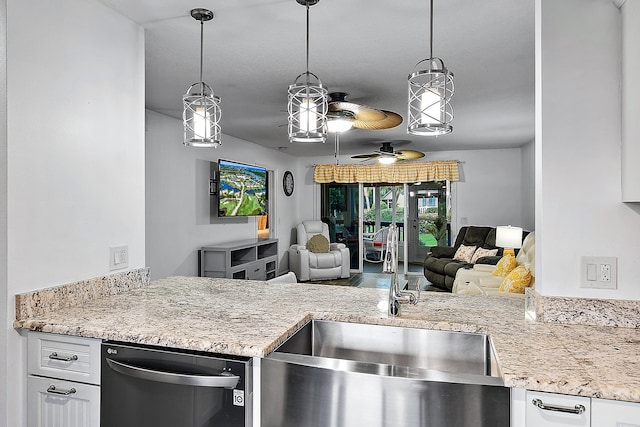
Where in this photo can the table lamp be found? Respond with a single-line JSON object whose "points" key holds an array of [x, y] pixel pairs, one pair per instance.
{"points": [[509, 238]]}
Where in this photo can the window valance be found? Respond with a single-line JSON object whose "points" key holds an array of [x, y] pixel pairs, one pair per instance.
{"points": [[396, 173]]}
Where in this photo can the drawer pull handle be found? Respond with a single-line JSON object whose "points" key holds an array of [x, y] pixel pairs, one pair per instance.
{"points": [[55, 356], [53, 390], [578, 409]]}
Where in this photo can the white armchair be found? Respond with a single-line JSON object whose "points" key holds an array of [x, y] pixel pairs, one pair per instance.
{"points": [[308, 265]]}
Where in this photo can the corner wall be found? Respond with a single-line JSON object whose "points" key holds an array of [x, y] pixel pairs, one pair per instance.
{"points": [[528, 186], [579, 209], [75, 153], [177, 195]]}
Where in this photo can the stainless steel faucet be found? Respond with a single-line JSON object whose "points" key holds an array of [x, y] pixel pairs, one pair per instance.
{"points": [[390, 266]]}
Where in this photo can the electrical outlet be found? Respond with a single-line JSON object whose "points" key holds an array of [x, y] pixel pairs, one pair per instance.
{"points": [[118, 257], [599, 272]]}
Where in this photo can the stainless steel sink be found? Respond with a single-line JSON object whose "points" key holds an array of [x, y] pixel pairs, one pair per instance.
{"points": [[348, 374]]}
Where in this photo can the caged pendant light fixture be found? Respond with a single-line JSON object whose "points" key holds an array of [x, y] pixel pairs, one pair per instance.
{"points": [[307, 101], [430, 93], [201, 114]]}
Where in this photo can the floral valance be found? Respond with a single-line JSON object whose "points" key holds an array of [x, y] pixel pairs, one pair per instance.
{"points": [[396, 173]]}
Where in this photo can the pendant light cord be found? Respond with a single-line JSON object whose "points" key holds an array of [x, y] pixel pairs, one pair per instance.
{"points": [[431, 31], [307, 43], [201, 55]]}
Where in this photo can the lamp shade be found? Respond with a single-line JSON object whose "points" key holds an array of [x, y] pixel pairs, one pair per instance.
{"points": [[509, 237]]}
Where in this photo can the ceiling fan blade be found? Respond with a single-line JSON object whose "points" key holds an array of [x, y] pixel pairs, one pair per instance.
{"points": [[361, 112], [366, 156], [390, 120], [409, 154]]}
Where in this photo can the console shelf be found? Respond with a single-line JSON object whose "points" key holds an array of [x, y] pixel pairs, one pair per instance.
{"points": [[253, 259]]}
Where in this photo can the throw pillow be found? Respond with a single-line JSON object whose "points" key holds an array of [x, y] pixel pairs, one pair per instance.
{"points": [[464, 253], [516, 281], [318, 244], [480, 252], [505, 265]]}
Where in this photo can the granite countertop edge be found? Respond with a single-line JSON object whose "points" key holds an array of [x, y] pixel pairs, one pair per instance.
{"points": [[209, 320]]}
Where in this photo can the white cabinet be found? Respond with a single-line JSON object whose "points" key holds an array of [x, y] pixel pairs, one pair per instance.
{"points": [[614, 413], [58, 403], [63, 385], [565, 411], [630, 14], [557, 410]]}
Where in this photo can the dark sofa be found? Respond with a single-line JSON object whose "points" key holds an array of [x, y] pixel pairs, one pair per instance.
{"points": [[439, 266]]}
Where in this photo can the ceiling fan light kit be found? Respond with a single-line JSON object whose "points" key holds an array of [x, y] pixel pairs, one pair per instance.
{"points": [[201, 108], [307, 101], [430, 92], [339, 121]]}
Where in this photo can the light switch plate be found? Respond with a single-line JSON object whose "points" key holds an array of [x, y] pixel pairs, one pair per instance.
{"points": [[599, 272]]}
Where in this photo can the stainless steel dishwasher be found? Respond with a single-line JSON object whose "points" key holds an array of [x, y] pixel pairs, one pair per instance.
{"points": [[146, 386]]}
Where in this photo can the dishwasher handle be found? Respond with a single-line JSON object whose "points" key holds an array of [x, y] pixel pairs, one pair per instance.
{"points": [[224, 380]]}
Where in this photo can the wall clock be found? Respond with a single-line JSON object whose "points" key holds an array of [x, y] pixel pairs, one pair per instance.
{"points": [[287, 183]]}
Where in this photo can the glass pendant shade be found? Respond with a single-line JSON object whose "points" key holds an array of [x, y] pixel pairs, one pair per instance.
{"points": [[201, 108], [307, 107], [430, 93], [201, 117], [308, 101]]}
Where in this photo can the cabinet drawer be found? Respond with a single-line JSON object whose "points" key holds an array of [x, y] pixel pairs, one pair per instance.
{"points": [[53, 402], [64, 357], [561, 416], [614, 413], [255, 271]]}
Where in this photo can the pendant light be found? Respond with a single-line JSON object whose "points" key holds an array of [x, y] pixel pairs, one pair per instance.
{"points": [[430, 93], [201, 114], [307, 101]]}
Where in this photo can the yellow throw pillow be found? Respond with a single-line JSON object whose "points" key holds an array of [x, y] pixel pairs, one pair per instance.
{"points": [[505, 265], [464, 253], [318, 244], [516, 281]]}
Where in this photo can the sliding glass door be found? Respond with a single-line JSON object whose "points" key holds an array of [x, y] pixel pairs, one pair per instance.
{"points": [[429, 218], [340, 208], [426, 223]]}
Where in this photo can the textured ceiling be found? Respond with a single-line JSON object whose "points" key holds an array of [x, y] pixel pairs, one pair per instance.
{"points": [[254, 49]]}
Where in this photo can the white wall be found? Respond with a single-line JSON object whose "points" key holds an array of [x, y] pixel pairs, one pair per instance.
{"points": [[177, 180], [4, 386], [528, 188], [578, 205], [75, 81], [490, 191]]}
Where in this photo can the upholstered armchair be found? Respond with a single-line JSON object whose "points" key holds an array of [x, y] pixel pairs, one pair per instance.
{"points": [[318, 259]]}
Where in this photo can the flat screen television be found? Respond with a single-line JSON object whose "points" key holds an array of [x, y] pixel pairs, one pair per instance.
{"points": [[242, 189]]}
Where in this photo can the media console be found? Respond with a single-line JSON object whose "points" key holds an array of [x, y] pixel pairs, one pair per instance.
{"points": [[253, 259]]}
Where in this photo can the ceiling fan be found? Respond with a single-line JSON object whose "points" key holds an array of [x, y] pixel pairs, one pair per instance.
{"points": [[362, 116], [386, 154]]}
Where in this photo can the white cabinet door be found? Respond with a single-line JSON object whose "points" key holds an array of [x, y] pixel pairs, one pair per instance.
{"points": [[613, 413], [59, 403], [556, 410]]}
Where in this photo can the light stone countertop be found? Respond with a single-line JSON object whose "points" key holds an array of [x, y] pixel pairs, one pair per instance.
{"points": [[250, 318]]}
